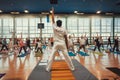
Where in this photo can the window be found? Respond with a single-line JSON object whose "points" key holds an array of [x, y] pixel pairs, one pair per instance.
{"points": [[106, 27], [84, 26], [21, 27], [72, 25], [95, 26], [33, 24], [7, 27], [117, 27]]}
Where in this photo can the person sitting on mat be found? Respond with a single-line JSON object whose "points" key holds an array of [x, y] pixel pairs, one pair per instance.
{"points": [[60, 41]]}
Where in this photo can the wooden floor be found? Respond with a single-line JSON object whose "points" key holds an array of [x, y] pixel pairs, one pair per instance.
{"points": [[19, 68], [60, 71]]}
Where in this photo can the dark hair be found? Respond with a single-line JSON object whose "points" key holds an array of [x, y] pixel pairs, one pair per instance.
{"points": [[59, 23]]}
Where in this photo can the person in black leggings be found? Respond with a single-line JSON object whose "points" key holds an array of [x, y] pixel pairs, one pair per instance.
{"points": [[109, 42], [97, 44], [116, 44]]}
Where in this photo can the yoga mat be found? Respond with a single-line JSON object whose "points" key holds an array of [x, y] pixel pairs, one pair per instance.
{"points": [[116, 52], [1, 75], [39, 72], [81, 73], [71, 54], [83, 53], [24, 54], [98, 53], [114, 70], [38, 54]]}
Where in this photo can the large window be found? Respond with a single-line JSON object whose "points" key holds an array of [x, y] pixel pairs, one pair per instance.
{"points": [[84, 26], [33, 27], [21, 27], [95, 26], [117, 27], [106, 27], [7, 27], [48, 30], [77, 24], [72, 25]]}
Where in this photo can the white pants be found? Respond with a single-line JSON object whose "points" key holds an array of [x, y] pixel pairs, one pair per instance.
{"points": [[60, 46]]}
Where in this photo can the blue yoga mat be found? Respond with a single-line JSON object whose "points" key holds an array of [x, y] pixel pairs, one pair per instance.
{"points": [[43, 47], [117, 52], [23, 54], [82, 53], [71, 54], [90, 49]]}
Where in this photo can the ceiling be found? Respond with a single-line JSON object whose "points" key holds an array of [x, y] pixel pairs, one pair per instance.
{"points": [[63, 6]]}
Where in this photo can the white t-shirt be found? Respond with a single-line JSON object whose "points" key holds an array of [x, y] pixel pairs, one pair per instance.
{"points": [[10, 44], [39, 44], [70, 41], [82, 41], [101, 40], [59, 33]]}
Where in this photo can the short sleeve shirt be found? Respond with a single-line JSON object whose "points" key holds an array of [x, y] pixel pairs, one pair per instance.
{"points": [[59, 33]]}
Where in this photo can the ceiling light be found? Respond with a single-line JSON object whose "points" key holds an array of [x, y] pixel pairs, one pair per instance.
{"points": [[76, 12], [81, 13], [14, 12], [98, 12], [26, 11], [109, 13], [0, 11], [50, 11], [44, 12]]}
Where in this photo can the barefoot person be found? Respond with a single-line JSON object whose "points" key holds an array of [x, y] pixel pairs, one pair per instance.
{"points": [[60, 35]]}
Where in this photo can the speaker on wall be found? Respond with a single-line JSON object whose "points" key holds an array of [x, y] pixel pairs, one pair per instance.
{"points": [[53, 1], [40, 25]]}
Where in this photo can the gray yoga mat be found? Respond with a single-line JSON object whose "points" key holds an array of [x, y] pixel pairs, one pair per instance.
{"points": [[81, 73], [39, 73]]}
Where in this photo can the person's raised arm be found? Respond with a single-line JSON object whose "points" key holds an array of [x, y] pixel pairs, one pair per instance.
{"points": [[53, 21]]}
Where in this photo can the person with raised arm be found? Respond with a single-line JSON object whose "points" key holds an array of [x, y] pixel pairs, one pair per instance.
{"points": [[60, 42]]}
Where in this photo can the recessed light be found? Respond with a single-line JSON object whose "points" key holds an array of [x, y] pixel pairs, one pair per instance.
{"points": [[26, 11], [44, 12], [109, 13], [76, 12], [81, 13], [1, 11], [50, 11], [14, 12], [98, 12]]}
